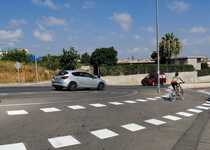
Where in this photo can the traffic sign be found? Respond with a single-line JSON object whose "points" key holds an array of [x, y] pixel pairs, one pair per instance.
{"points": [[18, 65]]}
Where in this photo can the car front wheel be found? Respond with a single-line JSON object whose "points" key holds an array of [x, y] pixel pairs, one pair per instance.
{"points": [[101, 86]]}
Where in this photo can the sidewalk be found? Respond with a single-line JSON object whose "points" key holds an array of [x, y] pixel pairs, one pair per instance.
{"points": [[195, 85], [48, 83], [204, 143], [43, 83]]}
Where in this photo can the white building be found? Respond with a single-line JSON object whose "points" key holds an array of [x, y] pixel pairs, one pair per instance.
{"points": [[190, 60]]}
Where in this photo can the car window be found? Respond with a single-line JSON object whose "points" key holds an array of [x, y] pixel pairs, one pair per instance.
{"points": [[87, 75], [62, 72], [76, 74]]}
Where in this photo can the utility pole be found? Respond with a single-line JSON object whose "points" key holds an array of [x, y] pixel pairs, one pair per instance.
{"points": [[36, 67], [157, 45]]}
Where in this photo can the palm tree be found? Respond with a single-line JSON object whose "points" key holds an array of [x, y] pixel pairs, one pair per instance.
{"points": [[169, 46]]}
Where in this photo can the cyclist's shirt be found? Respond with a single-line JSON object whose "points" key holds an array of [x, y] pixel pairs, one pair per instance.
{"points": [[176, 79]]}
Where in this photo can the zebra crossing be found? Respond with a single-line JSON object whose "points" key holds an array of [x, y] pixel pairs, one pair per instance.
{"points": [[81, 107], [105, 133]]}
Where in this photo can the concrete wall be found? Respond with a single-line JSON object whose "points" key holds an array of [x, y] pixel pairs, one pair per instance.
{"points": [[203, 79], [188, 77], [195, 63]]}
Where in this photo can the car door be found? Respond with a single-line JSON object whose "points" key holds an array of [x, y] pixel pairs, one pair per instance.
{"points": [[90, 80], [79, 79]]}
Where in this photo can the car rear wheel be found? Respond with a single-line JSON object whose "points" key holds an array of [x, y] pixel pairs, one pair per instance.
{"points": [[58, 88], [101, 86], [72, 86]]}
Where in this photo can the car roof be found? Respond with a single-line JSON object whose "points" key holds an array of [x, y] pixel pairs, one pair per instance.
{"points": [[71, 71]]}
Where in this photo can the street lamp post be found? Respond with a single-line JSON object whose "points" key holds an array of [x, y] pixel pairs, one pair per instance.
{"points": [[157, 45]]}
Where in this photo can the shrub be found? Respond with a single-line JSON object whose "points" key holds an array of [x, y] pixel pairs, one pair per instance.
{"points": [[204, 66], [129, 69], [204, 72]]}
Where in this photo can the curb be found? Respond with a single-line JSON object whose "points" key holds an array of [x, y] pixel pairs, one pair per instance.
{"points": [[44, 83]]}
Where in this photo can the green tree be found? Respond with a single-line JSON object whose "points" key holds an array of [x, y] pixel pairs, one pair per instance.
{"points": [[100, 56], [16, 55], [107, 56], [85, 58], [169, 46], [50, 61], [154, 55], [69, 59]]}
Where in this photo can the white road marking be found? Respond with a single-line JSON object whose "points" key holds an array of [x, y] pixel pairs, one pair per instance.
{"points": [[171, 117], [141, 100], [76, 107], [133, 127], [204, 92], [15, 146], [158, 97], [17, 112], [152, 99], [155, 122], [208, 102], [28, 104], [205, 104], [130, 102], [50, 109], [63, 141], [104, 133], [185, 114], [195, 110], [202, 107], [116, 103], [4, 94], [97, 105]]}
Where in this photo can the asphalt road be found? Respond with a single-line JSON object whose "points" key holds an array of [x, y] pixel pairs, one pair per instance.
{"points": [[39, 118]]}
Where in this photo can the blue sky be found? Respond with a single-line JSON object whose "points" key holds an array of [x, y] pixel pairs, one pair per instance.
{"points": [[47, 26]]}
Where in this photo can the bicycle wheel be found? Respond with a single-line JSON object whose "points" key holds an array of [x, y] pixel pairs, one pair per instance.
{"points": [[181, 93]]}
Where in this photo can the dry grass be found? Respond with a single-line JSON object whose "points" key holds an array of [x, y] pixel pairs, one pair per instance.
{"points": [[9, 74]]}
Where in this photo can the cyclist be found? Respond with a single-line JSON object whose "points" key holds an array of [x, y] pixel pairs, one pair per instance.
{"points": [[176, 80]]}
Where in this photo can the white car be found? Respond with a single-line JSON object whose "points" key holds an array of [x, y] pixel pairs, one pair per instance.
{"points": [[73, 80]]}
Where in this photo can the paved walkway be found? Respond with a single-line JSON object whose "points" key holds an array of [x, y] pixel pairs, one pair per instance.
{"points": [[204, 143]]}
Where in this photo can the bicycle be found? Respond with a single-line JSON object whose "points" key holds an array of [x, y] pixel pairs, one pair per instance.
{"points": [[178, 93]]}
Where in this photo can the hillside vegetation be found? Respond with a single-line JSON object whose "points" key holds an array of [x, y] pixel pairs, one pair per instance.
{"points": [[9, 74]]}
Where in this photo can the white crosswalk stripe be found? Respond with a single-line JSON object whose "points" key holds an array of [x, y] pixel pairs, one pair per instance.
{"points": [[152, 99], [204, 92], [15, 146], [17, 112], [171, 117], [130, 102], [63, 141], [155, 122], [116, 103], [50, 109], [76, 107], [185, 114], [205, 104], [195, 110], [202, 107], [133, 127], [141, 100], [97, 105], [157, 97], [104, 133]]}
